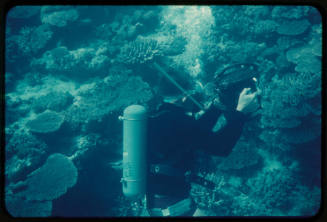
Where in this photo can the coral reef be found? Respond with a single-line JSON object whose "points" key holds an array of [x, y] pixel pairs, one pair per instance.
{"points": [[24, 153], [58, 15], [71, 70], [55, 101], [46, 122], [30, 39], [19, 207], [101, 98], [23, 12], [242, 156], [290, 12], [274, 189], [76, 64], [293, 27], [51, 180]]}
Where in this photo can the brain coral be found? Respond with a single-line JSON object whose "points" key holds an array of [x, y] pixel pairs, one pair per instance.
{"points": [[58, 15], [51, 180], [46, 122]]}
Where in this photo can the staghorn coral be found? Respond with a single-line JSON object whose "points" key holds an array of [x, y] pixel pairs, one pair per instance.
{"points": [[58, 15], [295, 27], [51, 180], [46, 122]]}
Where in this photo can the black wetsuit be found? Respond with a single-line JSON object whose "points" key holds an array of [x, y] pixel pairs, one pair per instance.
{"points": [[172, 138]]}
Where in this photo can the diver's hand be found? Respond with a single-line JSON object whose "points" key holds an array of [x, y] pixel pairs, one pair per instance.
{"points": [[247, 102]]}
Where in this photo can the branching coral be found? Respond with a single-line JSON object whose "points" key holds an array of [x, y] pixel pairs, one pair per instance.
{"points": [[58, 15], [51, 180], [46, 122], [142, 50]]}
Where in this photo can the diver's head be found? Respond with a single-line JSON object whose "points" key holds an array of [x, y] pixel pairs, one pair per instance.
{"points": [[232, 81]]}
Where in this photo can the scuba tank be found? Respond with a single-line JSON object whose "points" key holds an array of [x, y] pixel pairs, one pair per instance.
{"points": [[134, 151]]}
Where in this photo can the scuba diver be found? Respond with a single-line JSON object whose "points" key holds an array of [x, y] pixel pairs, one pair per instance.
{"points": [[173, 137]]}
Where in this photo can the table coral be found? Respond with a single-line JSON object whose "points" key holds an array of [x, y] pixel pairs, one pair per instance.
{"points": [[46, 122], [51, 180], [100, 98], [55, 101]]}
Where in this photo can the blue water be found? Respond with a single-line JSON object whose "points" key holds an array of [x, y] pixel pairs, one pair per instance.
{"points": [[70, 71]]}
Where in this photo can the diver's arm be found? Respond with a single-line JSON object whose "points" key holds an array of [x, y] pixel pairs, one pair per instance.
{"points": [[222, 142]]}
